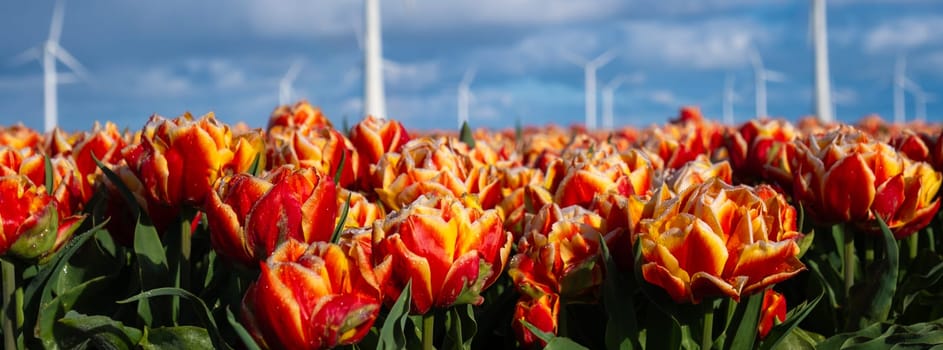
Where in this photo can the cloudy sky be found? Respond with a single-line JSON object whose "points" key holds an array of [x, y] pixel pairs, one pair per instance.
{"points": [[227, 56]]}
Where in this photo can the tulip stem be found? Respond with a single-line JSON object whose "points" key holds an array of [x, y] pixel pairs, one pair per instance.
{"points": [[9, 307], [708, 331], [913, 246], [848, 267], [428, 329]]}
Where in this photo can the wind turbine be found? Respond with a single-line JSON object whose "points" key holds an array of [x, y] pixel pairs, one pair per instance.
{"points": [[51, 52], [761, 76], [608, 92], [729, 96], [465, 95], [589, 71], [374, 96], [900, 82], [823, 89], [284, 86]]}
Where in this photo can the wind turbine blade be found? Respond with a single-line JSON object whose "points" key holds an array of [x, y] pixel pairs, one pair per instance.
{"points": [[755, 59], [603, 59], [30, 54], [571, 57], [58, 15], [774, 76], [293, 71], [67, 78], [616, 82], [66, 58], [469, 76]]}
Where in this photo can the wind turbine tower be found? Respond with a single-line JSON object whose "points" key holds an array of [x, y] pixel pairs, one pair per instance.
{"points": [[465, 96], [589, 71], [728, 100], [374, 95], [900, 82], [761, 76], [823, 89]]}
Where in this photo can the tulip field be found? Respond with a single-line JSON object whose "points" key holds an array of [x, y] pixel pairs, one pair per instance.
{"points": [[189, 233]]}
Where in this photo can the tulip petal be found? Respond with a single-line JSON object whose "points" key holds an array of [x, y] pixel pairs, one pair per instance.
{"points": [[849, 188]]}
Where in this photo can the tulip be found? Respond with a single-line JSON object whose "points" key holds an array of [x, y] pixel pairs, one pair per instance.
{"points": [[774, 308], [374, 137], [720, 240], [844, 176], [697, 172], [312, 297], [559, 253], [322, 149], [541, 313], [686, 137], [21, 138], [178, 160], [10, 161], [32, 226], [360, 212], [763, 149], [450, 250], [67, 188], [423, 166], [578, 179], [302, 116], [250, 216], [104, 143]]}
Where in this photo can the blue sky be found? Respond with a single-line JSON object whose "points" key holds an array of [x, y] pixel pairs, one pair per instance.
{"points": [[172, 56]]}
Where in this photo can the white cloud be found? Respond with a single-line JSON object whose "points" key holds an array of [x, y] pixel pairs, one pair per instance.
{"points": [[904, 33], [222, 74], [664, 97], [160, 82], [844, 96], [712, 44]]}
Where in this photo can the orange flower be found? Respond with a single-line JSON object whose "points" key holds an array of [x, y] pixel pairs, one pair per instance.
{"points": [[361, 213], [32, 227], [763, 149], [21, 138], [322, 149], [312, 297], [774, 308], [559, 254], [451, 251], [302, 117], [178, 160], [70, 193], [697, 172], [844, 176], [577, 179], [374, 137], [424, 166], [541, 312], [249, 216], [686, 137], [716, 239]]}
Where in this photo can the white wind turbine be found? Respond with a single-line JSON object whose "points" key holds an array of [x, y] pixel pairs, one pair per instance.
{"points": [[823, 90], [900, 82], [465, 95], [729, 96], [284, 86], [589, 71], [49, 53], [608, 94], [762, 75]]}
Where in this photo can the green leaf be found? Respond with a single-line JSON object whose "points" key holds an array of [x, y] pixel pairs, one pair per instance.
{"points": [[872, 301], [51, 272], [465, 135], [540, 334], [518, 131], [619, 303], [800, 339], [206, 317], [745, 322], [460, 327], [340, 169], [171, 338], [241, 331], [76, 330], [152, 266], [49, 175], [393, 334], [254, 169], [343, 220], [805, 242]]}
